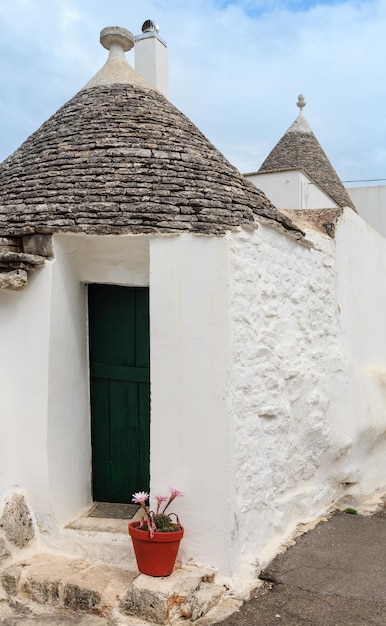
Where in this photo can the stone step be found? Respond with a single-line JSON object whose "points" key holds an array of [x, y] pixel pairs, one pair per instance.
{"points": [[108, 545], [72, 584], [189, 594], [106, 585], [123, 598]]}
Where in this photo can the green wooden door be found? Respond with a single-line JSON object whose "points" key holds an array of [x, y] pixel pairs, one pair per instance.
{"points": [[120, 391]]}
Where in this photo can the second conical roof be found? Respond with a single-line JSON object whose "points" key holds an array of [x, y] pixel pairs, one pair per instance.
{"points": [[300, 149]]}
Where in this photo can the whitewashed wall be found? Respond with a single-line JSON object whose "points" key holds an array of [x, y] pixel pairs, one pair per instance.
{"points": [[49, 423], [291, 189], [190, 444], [268, 380], [285, 354], [24, 366], [370, 203], [361, 293], [308, 381]]}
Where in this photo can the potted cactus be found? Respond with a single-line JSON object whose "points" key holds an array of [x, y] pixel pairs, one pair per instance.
{"points": [[156, 537]]}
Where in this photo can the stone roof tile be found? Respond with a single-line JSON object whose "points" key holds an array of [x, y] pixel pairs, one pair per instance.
{"points": [[121, 158]]}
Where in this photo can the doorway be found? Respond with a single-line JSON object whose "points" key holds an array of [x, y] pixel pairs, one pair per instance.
{"points": [[119, 346]]}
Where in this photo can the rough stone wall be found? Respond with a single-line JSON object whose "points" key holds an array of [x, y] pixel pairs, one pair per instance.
{"points": [[285, 352]]}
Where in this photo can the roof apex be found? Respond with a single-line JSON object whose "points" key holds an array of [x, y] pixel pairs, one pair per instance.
{"points": [[117, 70], [300, 149], [300, 125]]}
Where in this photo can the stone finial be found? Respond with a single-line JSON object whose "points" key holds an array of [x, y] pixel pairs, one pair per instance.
{"points": [[118, 36], [150, 26], [301, 103]]}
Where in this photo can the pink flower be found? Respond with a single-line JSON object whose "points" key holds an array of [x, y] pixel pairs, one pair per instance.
{"points": [[173, 494], [159, 499], [140, 497], [149, 518]]}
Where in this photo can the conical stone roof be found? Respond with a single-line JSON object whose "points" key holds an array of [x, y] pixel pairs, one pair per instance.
{"points": [[300, 149], [120, 158]]}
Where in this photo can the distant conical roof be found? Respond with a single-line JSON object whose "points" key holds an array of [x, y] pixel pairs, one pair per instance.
{"points": [[300, 149], [120, 158]]}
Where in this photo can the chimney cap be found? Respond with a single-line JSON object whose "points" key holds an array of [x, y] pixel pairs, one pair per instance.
{"points": [[116, 35], [149, 26]]}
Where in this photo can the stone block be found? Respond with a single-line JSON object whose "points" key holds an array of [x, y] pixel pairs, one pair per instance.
{"points": [[42, 591], [100, 588], [13, 280], [116, 618], [187, 592], [43, 578], [38, 244], [207, 596], [10, 579], [80, 599], [16, 521], [4, 551]]}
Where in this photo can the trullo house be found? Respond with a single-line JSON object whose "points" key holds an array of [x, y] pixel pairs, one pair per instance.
{"points": [[163, 323]]}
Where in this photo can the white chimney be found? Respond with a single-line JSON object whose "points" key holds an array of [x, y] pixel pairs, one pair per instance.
{"points": [[151, 57]]}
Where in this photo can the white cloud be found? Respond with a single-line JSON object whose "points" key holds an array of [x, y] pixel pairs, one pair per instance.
{"points": [[69, 15]]}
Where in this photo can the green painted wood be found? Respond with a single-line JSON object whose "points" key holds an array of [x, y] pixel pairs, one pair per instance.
{"points": [[100, 439], [119, 372], [120, 390]]}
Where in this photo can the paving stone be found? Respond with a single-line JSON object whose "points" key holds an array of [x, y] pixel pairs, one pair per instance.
{"points": [[179, 596]]}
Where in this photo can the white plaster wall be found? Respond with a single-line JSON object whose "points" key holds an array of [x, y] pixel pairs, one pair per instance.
{"points": [[189, 373], [291, 190], [370, 203], [25, 328], [361, 294]]}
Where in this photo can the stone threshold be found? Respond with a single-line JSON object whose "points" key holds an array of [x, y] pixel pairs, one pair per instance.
{"points": [[106, 517]]}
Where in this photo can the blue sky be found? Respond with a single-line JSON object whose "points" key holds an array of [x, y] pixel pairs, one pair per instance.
{"points": [[236, 69]]}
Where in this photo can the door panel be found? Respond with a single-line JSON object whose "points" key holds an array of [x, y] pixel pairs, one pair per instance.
{"points": [[120, 391]]}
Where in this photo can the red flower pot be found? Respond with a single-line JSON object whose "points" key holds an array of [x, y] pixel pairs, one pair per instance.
{"points": [[155, 557]]}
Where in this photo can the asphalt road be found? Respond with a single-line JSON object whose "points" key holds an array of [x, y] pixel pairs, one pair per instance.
{"points": [[335, 575]]}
